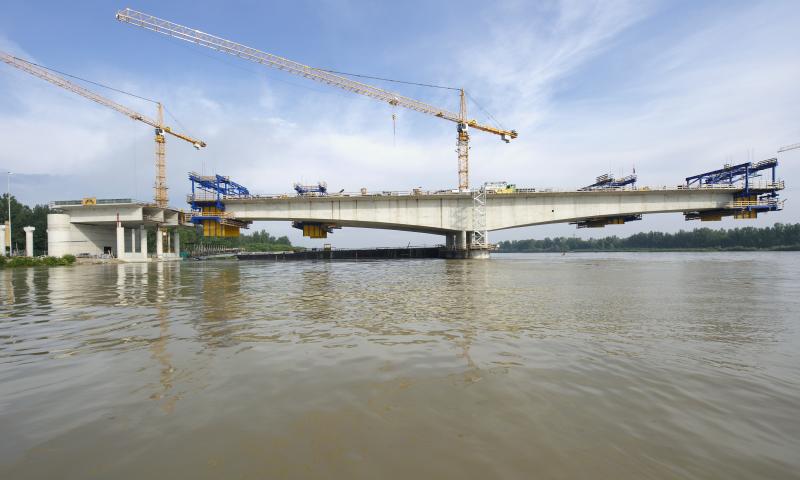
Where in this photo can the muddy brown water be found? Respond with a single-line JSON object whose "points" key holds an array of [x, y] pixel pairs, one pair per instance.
{"points": [[523, 366]]}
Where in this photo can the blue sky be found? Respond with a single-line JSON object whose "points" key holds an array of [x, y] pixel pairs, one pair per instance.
{"points": [[672, 88]]}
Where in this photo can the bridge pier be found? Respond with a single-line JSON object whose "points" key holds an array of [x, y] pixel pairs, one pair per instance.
{"points": [[458, 245], [461, 240]]}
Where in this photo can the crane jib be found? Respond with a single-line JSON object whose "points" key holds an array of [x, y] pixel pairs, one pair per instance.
{"points": [[248, 53]]}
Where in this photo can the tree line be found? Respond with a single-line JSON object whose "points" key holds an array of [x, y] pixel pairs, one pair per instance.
{"points": [[258, 241], [25, 216], [777, 237]]}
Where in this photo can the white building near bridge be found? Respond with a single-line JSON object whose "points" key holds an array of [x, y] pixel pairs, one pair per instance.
{"points": [[112, 227]]}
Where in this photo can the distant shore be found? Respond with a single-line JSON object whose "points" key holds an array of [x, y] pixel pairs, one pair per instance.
{"points": [[790, 248]]}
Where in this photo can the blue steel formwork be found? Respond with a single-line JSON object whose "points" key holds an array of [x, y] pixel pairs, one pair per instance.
{"points": [[207, 199], [753, 197], [734, 174], [217, 187], [320, 189]]}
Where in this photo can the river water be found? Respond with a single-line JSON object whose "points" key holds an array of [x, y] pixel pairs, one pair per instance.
{"points": [[524, 366]]}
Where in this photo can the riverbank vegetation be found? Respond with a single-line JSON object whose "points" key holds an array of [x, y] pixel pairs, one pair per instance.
{"points": [[14, 262], [778, 237], [258, 241], [24, 216]]}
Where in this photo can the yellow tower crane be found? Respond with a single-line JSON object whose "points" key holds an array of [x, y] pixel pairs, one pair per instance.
{"points": [[161, 197], [226, 46]]}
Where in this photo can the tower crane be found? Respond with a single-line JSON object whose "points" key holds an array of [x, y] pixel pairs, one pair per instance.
{"points": [[461, 119], [161, 198]]}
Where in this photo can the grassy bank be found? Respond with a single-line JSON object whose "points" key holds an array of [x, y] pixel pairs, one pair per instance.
{"points": [[15, 262]]}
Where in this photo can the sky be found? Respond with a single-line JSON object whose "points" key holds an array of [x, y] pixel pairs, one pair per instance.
{"points": [[670, 88]]}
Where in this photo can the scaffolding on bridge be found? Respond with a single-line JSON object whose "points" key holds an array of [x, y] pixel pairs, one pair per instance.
{"points": [[208, 206], [754, 196], [607, 181]]}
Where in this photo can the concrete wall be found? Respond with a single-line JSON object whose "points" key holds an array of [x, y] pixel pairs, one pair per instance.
{"points": [[447, 213], [65, 237]]}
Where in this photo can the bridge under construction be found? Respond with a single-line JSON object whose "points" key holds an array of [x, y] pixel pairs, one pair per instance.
{"points": [[465, 218]]}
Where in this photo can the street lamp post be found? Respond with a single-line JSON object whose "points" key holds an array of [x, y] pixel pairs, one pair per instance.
{"points": [[8, 199]]}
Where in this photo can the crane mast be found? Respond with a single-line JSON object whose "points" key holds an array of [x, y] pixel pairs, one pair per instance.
{"points": [[463, 123], [160, 197]]}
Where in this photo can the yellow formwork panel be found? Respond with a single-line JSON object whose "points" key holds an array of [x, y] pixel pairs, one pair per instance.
{"points": [[314, 231], [746, 215], [214, 229], [714, 217]]}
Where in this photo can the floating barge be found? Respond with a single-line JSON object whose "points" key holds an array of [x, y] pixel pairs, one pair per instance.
{"points": [[348, 254]]}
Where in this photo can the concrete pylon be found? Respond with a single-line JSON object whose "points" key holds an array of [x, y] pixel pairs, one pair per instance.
{"points": [[29, 241], [176, 242], [2, 239], [159, 243], [143, 241], [120, 240]]}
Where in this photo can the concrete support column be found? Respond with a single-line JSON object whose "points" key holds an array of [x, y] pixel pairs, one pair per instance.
{"points": [[176, 242], [120, 241], [133, 240], [29, 241], [143, 241], [461, 240], [450, 240], [470, 239], [2, 240], [159, 243]]}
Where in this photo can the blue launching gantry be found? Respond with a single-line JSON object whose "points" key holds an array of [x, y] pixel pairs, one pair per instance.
{"points": [[754, 193], [208, 207], [607, 181]]}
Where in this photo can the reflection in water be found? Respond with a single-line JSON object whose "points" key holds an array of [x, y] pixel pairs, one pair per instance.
{"points": [[159, 346], [660, 366]]}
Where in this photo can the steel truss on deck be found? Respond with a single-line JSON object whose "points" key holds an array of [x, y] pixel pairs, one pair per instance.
{"points": [[607, 181], [206, 200], [754, 196]]}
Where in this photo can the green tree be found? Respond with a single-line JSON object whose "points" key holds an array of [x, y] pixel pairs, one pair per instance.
{"points": [[25, 216]]}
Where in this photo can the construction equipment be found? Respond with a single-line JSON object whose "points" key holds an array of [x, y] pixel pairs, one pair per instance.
{"points": [[607, 181], [208, 208], [161, 198], [499, 188], [315, 229], [600, 222], [461, 120], [753, 197], [318, 190]]}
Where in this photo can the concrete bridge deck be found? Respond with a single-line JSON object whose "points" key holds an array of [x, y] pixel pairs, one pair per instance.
{"points": [[446, 213]]}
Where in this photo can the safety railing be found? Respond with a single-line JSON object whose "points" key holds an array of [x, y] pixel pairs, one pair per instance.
{"points": [[777, 185], [741, 203]]}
